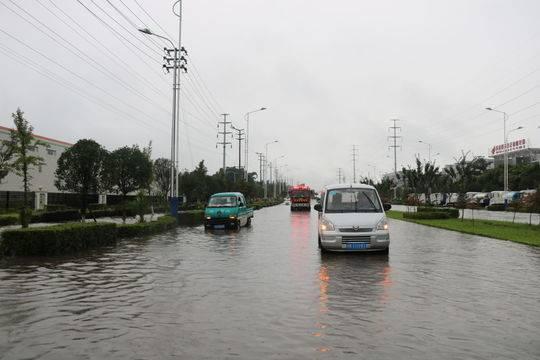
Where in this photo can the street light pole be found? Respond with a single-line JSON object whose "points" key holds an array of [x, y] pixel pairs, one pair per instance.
{"points": [[265, 166], [429, 149], [246, 150], [177, 64]]}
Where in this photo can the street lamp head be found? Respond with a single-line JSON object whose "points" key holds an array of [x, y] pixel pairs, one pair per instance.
{"points": [[519, 128], [263, 108], [146, 31], [488, 108]]}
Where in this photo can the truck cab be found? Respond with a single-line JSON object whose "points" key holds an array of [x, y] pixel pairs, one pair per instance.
{"points": [[227, 210]]}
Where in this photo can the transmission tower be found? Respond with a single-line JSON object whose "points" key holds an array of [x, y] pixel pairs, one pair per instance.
{"points": [[224, 133], [239, 136], [354, 156], [394, 139]]}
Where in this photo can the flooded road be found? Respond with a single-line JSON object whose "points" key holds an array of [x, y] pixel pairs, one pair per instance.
{"points": [[267, 293]]}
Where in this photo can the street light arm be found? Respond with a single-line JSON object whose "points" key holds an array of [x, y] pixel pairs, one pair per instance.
{"points": [[149, 32]]}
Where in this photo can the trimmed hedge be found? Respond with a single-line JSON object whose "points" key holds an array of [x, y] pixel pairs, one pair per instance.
{"points": [[424, 215], [57, 216], [57, 239], [191, 217], [452, 213], [496, 207], [147, 228], [55, 207], [9, 219]]}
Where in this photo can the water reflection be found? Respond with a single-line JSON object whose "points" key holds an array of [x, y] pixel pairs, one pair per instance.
{"points": [[353, 290]]}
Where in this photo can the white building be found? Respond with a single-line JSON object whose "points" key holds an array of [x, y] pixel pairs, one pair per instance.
{"points": [[43, 176]]}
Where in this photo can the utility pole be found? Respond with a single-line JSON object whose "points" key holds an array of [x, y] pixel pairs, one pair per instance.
{"points": [[339, 175], [174, 60], [394, 138], [239, 134], [354, 155], [224, 141]]}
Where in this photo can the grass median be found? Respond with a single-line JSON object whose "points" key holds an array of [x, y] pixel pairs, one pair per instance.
{"points": [[502, 230]]}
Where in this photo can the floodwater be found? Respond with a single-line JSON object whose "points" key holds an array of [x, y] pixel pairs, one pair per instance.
{"points": [[267, 293]]}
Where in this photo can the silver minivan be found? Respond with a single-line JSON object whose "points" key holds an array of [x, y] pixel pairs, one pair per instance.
{"points": [[352, 218]]}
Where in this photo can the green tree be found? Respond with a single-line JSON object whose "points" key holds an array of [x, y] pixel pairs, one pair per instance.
{"points": [[128, 169], [80, 170], [162, 176], [25, 158]]}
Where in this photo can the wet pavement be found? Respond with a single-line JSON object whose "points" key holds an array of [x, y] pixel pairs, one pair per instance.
{"points": [[267, 293]]}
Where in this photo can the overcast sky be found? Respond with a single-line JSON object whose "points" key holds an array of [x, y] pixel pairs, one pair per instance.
{"points": [[331, 74]]}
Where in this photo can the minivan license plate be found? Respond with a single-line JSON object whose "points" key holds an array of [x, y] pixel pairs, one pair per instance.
{"points": [[356, 246]]}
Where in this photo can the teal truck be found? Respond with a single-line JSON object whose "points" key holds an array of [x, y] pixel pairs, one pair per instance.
{"points": [[227, 210]]}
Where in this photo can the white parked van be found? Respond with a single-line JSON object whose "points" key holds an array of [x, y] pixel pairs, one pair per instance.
{"points": [[496, 197], [352, 218]]}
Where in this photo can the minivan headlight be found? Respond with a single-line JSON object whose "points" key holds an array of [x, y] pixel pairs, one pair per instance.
{"points": [[382, 224], [326, 225]]}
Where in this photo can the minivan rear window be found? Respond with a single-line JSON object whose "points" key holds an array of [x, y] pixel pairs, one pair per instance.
{"points": [[352, 200]]}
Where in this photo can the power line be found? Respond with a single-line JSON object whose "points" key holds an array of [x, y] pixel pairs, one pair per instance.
{"points": [[101, 48], [151, 18], [19, 58], [80, 54]]}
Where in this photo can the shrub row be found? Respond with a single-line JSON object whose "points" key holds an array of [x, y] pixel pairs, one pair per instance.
{"points": [[452, 213], [56, 216], [191, 217], [496, 207], [147, 228], [74, 237], [261, 203], [9, 219], [424, 215], [57, 239]]}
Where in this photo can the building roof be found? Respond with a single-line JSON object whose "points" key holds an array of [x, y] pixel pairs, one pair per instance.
{"points": [[44, 138]]}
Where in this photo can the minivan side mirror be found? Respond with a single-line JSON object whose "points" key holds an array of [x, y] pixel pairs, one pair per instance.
{"points": [[387, 207], [318, 207]]}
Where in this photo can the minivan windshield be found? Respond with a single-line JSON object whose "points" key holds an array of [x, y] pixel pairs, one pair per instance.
{"points": [[352, 200], [222, 201]]}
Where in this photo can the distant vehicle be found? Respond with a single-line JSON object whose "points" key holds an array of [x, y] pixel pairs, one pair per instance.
{"points": [[512, 196], [227, 210], [352, 218], [481, 199], [496, 197], [469, 196], [300, 197], [452, 199], [436, 199]]}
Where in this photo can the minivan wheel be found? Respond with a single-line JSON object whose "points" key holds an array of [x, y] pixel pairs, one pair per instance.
{"points": [[319, 242], [386, 251], [248, 223]]}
